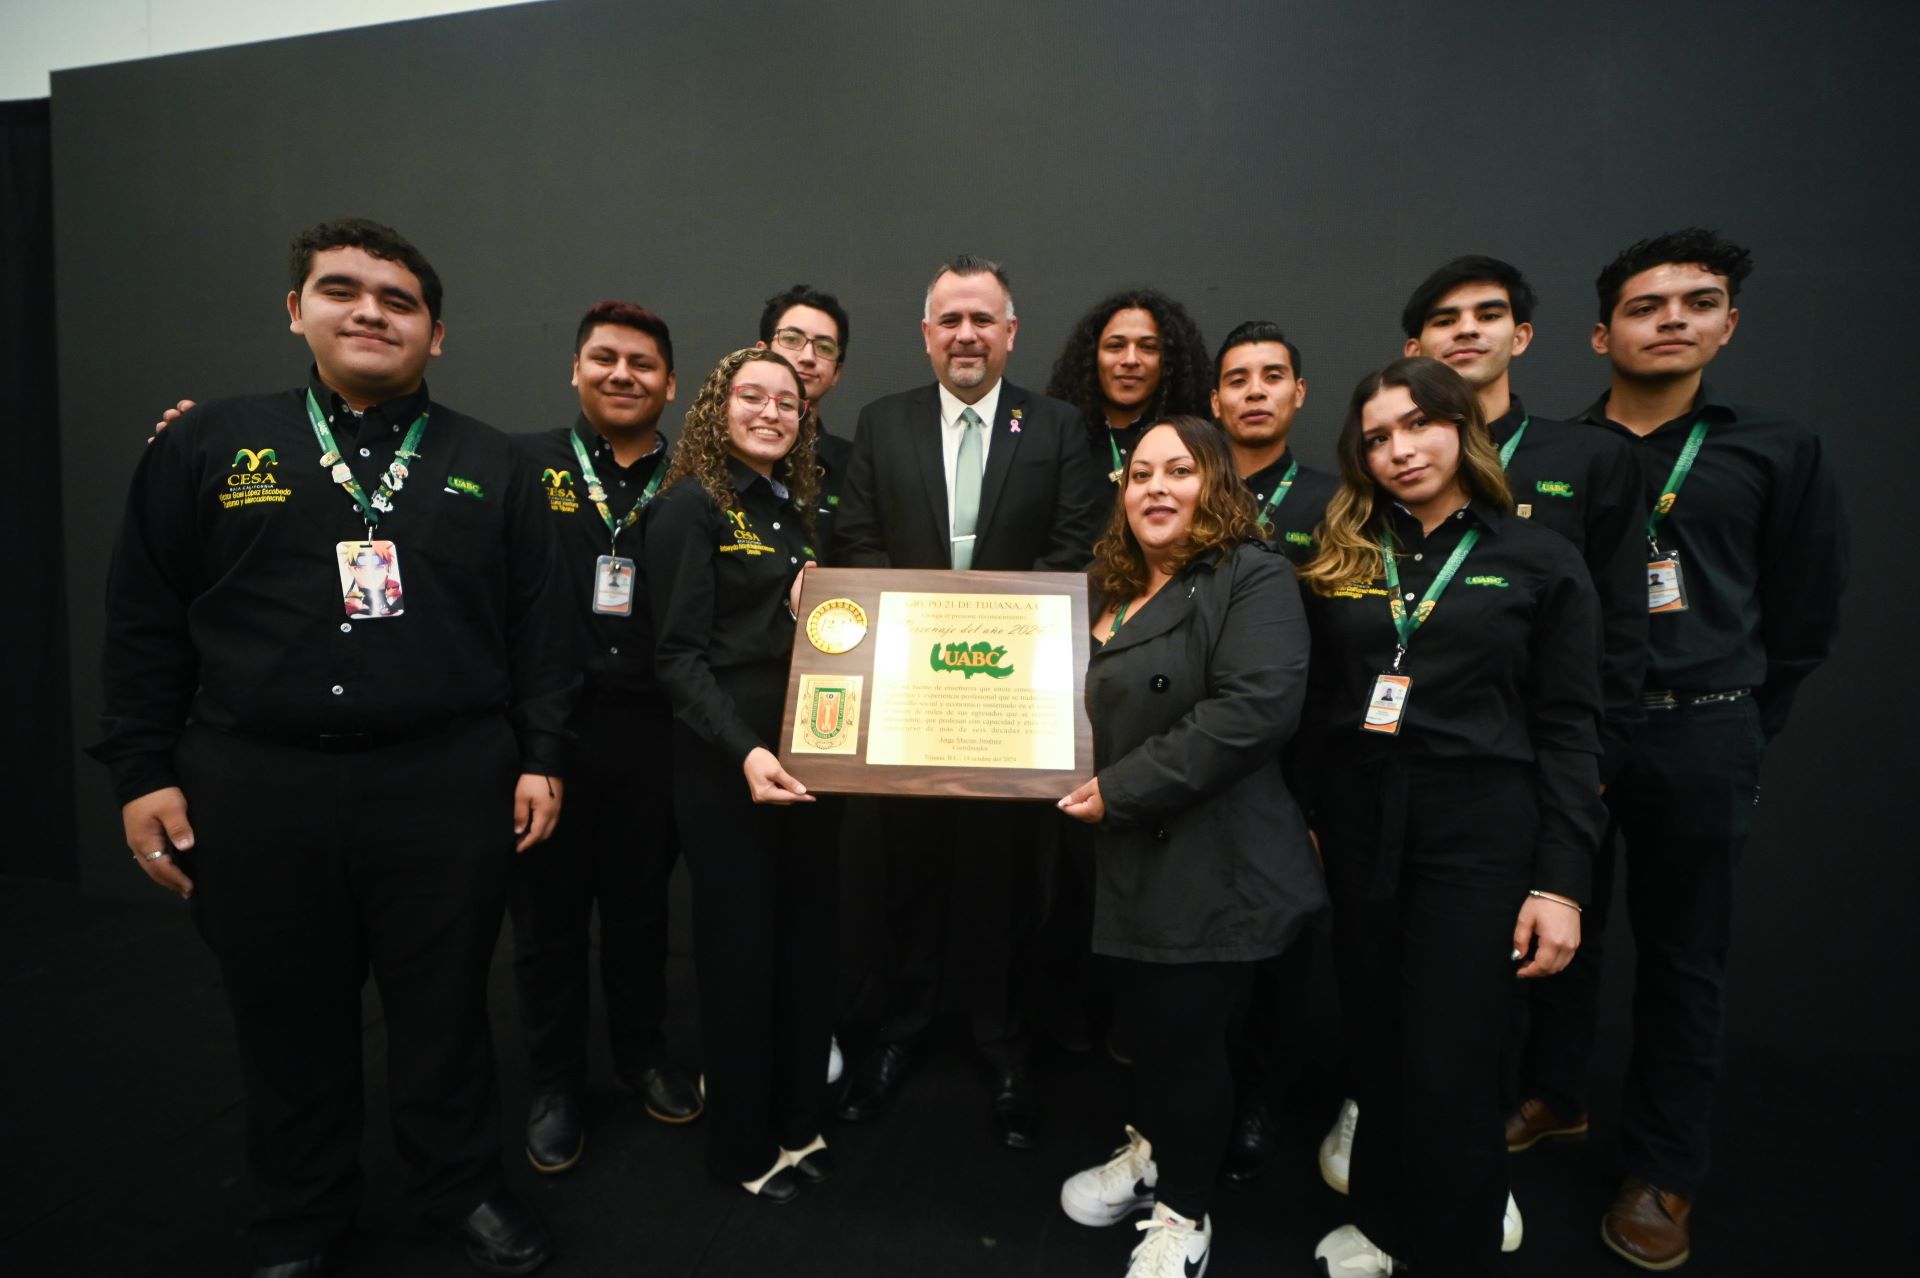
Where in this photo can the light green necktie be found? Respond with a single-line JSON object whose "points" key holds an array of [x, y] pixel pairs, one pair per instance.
{"points": [[966, 489]]}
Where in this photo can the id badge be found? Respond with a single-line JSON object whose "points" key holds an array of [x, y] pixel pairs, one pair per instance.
{"points": [[1666, 590], [370, 587], [613, 586], [1387, 704]]}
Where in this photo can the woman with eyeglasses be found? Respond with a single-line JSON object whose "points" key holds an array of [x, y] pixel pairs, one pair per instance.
{"points": [[726, 543], [1455, 792]]}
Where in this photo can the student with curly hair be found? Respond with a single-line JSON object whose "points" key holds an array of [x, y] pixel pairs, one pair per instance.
{"points": [[1205, 867], [1456, 795], [726, 543], [1135, 358]]}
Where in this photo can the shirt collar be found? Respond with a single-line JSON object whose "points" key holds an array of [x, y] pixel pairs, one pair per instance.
{"points": [[987, 405], [399, 412], [744, 477], [1503, 426], [1272, 472], [1708, 403], [595, 442], [1485, 514]]}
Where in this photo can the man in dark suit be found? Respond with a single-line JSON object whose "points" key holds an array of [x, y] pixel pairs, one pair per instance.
{"points": [[970, 472]]}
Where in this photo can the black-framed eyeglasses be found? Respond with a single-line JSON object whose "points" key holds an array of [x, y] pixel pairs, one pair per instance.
{"points": [[793, 339]]}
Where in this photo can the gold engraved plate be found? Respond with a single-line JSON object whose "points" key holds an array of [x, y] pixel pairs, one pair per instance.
{"points": [[836, 626], [826, 717]]}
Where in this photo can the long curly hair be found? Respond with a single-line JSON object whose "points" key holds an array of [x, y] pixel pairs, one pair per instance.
{"points": [[1186, 372], [701, 451], [1349, 535], [1224, 516]]}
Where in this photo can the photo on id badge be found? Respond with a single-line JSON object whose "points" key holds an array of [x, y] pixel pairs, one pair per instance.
{"points": [[370, 579], [613, 586]]}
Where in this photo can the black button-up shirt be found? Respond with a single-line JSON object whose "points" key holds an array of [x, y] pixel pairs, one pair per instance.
{"points": [[616, 652], [1762, 544], [224, 603], [1299, 512], [834, 454], [718, 585], [1102, 439], [1506, 668], [1586, 486]]}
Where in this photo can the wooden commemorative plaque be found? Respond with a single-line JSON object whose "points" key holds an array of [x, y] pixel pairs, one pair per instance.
{"points": [[939, 683]]}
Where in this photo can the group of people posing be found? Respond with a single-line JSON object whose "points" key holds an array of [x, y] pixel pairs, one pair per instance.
{"points": [[360, 707]]}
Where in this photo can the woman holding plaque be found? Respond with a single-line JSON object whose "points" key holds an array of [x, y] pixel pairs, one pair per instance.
{"points": [[726, 542], [1456, 797], [1204, 863]]}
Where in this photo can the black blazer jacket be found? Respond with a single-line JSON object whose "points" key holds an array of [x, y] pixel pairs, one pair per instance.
{"points": [[1041, 504], [1203, 856]]}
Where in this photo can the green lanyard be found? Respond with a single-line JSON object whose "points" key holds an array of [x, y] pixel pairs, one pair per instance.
{"points": [[1119, 462], [1118, 617], [396, 477], [598, 495], [1671, 493], [1280, 492], [1404, 622], [1512, 446]]}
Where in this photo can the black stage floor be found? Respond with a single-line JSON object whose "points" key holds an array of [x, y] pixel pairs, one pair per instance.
{"points": [[123, 1125]]}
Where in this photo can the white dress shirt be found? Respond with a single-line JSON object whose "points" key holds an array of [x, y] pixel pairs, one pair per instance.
{"points": [[952, 428]]}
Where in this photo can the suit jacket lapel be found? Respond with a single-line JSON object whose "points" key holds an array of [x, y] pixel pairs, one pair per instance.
{"points": [[924, 436], [1160, 614], [999, 454]]}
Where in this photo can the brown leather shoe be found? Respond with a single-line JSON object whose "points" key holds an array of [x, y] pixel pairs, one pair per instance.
{"points": [[1535, 1121], [1647, 1226]]}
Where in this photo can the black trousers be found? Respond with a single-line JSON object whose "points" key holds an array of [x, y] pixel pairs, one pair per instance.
{"points": [[1265, 1037], [616, 844], [311, 871], [1176, 1018], [1428, 864], [1681, 808], [965, 870], [766, 901]]}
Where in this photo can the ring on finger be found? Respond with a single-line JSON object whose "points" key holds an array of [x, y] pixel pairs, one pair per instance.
{"points": [[151, 856]]}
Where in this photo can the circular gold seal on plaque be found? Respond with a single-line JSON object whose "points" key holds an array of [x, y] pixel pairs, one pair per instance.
{"points": [[837, 626]]}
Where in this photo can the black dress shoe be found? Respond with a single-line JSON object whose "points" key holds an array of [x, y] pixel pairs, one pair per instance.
{"points": [[669, 1094], [318, 1265], [782, 1187], [504, 1237], [875, 1083], [818, 1167], [1251, 1148], [556, 1136], [1016, 1110]]}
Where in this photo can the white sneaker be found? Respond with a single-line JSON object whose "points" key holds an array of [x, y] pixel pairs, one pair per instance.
{"points": [[1346, 1253], [1336, 1148], [1174, 1247], [1107, 1194], [1512, 1228], [836, 1063]]}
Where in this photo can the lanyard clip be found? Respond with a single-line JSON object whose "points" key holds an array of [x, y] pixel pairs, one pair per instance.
{"points": [[1399, 651]]}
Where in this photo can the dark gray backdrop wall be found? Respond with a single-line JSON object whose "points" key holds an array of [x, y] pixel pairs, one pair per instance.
{"points": [[1306, 163]]}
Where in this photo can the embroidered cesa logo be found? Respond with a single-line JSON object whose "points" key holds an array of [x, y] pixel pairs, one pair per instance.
{"points": [[745, 540], [251, 480], [1553, 487], [971, 659], [558, 486]]}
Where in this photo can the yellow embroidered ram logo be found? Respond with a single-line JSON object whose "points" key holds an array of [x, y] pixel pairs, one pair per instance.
{"points": [[556, 478], [255, 459]]}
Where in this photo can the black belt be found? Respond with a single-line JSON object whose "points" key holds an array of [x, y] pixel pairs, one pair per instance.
{"points": [[355, 742], [1676, 700]]}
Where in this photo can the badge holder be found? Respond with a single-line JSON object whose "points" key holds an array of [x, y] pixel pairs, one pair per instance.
{"points": [[370, 588], [1388, 701], [1666, 587], [613, 577]]}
